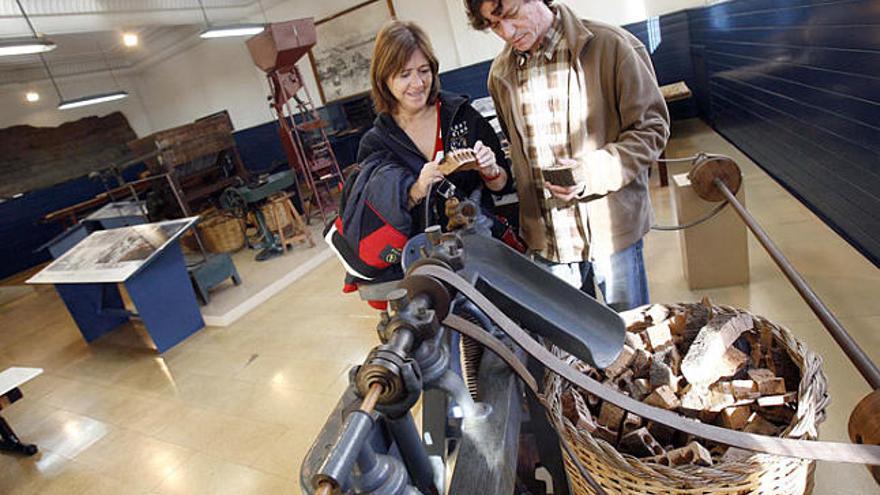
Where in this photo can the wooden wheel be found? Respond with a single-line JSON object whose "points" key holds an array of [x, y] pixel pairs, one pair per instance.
{"points": [[864, 425], [707, 169]]}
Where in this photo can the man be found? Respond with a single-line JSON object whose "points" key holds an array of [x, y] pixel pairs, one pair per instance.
{"points": [[580, 93]]}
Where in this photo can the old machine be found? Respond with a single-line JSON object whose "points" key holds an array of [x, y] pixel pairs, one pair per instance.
{"points": [[243, 199], [500, 301], [200, 159], [302, 131]]}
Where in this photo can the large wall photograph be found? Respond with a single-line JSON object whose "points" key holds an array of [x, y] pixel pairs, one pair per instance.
{"points": [[345, 45]]}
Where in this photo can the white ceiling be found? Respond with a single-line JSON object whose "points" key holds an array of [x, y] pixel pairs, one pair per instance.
{"points": [[70, 16], [89, 32]]}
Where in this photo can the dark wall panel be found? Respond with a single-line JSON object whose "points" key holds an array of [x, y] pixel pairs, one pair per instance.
{"points": [[671, 57], [795, 84], [470, 80]]}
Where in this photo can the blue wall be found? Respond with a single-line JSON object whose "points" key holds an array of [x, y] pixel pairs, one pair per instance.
{"points": [[20, 229], [795, 84], [671, 56], [470, 80]]}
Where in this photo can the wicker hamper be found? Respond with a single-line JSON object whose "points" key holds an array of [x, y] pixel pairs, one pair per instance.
{"points": [[222, 233], [273, 211], [749, 474]]}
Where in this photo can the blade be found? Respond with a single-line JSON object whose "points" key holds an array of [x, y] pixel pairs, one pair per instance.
{"points": [[543, 303]]}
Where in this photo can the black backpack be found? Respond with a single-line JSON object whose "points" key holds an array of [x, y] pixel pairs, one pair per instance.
{"points": [[373, 224]]}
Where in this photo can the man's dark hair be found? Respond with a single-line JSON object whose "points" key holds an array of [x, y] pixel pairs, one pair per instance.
{"points": [[478, 22]]}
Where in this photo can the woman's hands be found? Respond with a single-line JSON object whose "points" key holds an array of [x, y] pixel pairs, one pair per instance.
{"points": [[486, 160], [492, 174], [429, 175]]}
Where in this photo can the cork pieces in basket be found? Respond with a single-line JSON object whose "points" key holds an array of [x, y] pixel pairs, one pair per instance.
{"points": [[621, 452]]}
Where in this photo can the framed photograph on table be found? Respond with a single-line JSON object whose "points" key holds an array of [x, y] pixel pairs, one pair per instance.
{"points": [[341, 57]]}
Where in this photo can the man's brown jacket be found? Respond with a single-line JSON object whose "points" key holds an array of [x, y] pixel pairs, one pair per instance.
{"points": [[619, 125]]}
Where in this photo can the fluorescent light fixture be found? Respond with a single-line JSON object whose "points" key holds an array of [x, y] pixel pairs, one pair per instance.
{"points": [[233, 30], [91, 100], [130, 39], [25, 46], [32, 96]]}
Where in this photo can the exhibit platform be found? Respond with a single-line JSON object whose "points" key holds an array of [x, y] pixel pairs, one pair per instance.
{"points": [[263, 279]]}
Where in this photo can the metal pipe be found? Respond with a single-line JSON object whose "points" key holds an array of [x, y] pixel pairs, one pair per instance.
{"points": [[340, 461], [387, 475], [850, 347], [402, 340], [413, 453], [367, 459], [367, 406], [372, 397]]}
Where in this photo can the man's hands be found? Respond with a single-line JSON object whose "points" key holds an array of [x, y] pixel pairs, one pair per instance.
{"points": [[429, 175], [565, 193]]}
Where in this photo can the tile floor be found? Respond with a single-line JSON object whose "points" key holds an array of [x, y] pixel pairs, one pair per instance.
{"points": [[233, 410]]}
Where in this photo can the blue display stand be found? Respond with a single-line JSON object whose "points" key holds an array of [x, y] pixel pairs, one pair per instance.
{"points": [[96, 308], [119, 214], [165, 300], [148, 260], [116, 222], [62, 242], [161, 292]]}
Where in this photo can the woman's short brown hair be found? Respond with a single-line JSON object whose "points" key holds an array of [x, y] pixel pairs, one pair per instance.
{"points": [[476, 18], [395, 44]]}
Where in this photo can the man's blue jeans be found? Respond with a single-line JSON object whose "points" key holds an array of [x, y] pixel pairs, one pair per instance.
{"points": [[620, 277]]}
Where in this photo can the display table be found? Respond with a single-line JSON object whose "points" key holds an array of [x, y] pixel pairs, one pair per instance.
{"points": [[71, 236], [110, 216], [120, 214], [148, 260], [10, 380], [714, 253]]}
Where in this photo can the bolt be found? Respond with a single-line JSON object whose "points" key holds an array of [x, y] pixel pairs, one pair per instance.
{"points": [[433, 234], [397, 299]]}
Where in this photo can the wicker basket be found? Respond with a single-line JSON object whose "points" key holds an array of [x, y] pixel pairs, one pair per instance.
{"points": [[754, 474], [222, 233], [271, 211]]}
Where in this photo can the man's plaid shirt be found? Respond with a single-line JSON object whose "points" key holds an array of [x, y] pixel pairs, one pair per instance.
{"points": [[542, 83]]}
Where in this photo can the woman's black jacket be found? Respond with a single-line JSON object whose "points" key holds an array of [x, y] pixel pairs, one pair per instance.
{"points": [[461, 126]]}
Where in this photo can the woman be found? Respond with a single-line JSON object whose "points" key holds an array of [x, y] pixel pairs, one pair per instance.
{"points": [[418, 123]]}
